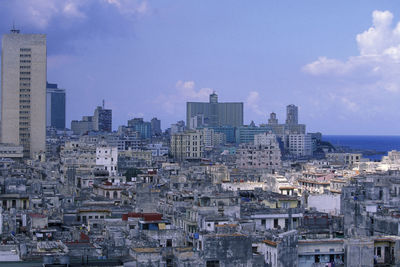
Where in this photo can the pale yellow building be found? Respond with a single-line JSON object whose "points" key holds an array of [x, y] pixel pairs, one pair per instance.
{"points": [[188, 145], [23, 91]]}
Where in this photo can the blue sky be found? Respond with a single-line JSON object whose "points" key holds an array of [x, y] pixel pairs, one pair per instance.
{"points": [[339, 61]]}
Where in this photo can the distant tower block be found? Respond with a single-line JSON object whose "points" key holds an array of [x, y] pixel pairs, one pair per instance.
{"points": [[214, 98], [216, 113], [272, 118], [292, 114], [55, 106]]}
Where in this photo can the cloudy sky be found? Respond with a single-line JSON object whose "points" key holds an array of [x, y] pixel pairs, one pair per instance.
{"points": [[339, 61]]}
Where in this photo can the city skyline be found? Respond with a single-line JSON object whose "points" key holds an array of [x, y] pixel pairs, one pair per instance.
{"points": [[160, 56], [199, 133]]}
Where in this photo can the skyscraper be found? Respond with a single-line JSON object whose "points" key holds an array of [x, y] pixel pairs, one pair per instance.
{"points": [[215, 113], [55, 106], [140, 126], [292, 114], [102, 119], [23, 91], [156, 126]]}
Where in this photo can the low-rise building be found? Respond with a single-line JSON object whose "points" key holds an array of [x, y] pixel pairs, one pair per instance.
{"points": [[11, 151], [344, 158], [250, 156]]}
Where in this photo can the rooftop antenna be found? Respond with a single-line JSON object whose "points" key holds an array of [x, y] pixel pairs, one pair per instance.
{"points": [[103, 103], [14, 30]]}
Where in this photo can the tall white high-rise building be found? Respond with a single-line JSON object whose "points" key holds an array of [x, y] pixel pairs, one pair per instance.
{"points": [[23, 91]]}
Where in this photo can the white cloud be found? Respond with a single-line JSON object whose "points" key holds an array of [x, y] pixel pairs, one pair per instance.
{"points": [[326, 65], [379, 57], [380, 36], [365, 87], [41, 13], [349, 104], [37, 12], [185, 91], [71, 9], [130, 6], [252, 102]]}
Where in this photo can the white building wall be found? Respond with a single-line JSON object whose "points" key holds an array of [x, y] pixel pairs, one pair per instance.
{"points": [[325, 203], [300, 144], [265, 139], [108, 157]]}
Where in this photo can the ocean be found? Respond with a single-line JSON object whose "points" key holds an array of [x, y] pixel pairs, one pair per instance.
{"points": [[378, 143]]}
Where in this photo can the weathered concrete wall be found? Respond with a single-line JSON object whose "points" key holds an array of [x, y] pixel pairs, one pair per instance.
{"points": [[229, 250], [288, 249], [359, 252], [177, 236], [146, 199]]}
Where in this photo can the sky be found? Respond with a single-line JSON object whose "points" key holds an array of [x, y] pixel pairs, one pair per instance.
{"points": [[339, 61]]}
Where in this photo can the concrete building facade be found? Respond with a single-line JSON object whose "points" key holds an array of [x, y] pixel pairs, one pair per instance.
{"points": [[250, 156], [292, 114], [300, 144], [102, 119], [83, 126], [142, 127], [107, 157], [23, 91], [188, 145], [155, 126], [215, 113]]}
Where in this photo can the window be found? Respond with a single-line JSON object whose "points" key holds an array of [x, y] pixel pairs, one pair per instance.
{"points": [[212, 264], [379, 251]]}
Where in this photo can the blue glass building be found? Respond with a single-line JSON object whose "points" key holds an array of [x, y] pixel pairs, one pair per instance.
{"points": [[55, 106]]}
